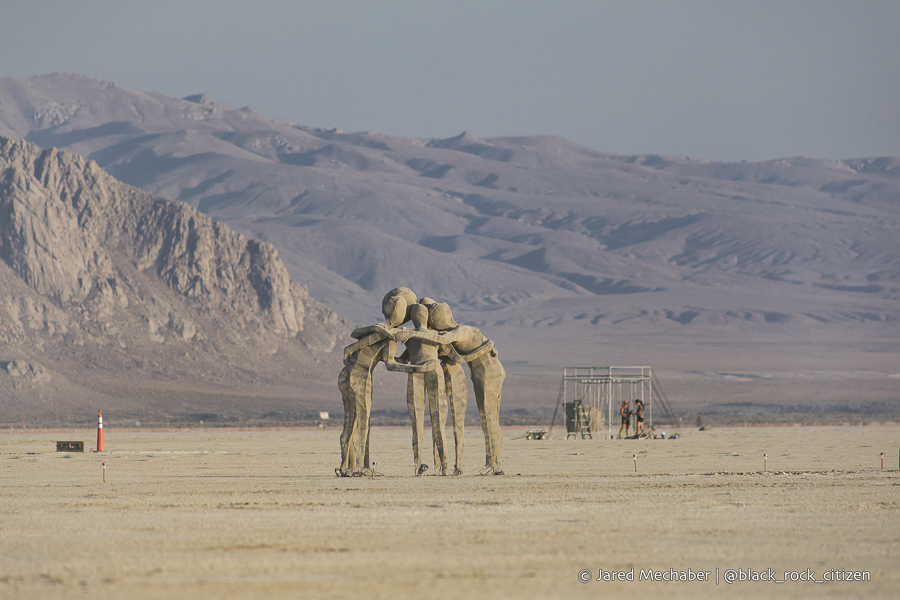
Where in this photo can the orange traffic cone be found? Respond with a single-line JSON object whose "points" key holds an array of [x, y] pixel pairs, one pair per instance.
{"points": [[100, 432]]}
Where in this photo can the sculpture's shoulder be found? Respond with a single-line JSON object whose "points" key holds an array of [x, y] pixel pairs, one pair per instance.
{"points": [[475, 334], [465, 331]]}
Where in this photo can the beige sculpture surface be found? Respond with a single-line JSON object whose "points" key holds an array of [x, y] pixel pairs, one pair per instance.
{"points": [[355, 383], [355, 380], [457, 392], [422, 363], [464, 343], [455, 384], [435, 351]]}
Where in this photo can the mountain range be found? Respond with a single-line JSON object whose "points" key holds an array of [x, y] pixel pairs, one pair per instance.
{"points": [[143, 305], [746, 285]]}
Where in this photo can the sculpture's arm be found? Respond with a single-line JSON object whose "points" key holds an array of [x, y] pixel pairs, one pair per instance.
{"points": [[390, 362], [403, 358], [357, 346], [424, 367], [379, 328], [457, 358], [393, 364], [430, 337], [448, 355]]}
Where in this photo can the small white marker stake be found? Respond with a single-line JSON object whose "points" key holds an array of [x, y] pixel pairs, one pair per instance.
{"points": [[373, 469], [104, 472], [634, 457], [765, 462], [882, 461]]}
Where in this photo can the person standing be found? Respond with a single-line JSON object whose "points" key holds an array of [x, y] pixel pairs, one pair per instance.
{"points": [[625, 418], [638, 417]]}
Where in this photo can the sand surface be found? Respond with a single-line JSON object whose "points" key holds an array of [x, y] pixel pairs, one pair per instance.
{"points": [[239, 514]]}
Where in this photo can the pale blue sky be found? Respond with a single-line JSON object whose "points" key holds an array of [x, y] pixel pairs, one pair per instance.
{"points": [[710, 79]]}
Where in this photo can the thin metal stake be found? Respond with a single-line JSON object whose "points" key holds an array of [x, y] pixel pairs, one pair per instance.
{"points": [[104, 472], [765, 462], [634, 456]]}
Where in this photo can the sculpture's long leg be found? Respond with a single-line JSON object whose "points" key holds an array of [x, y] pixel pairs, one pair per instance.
{"points": [[348, 454], [455, 383], [487, 380], [415, 404], [437, 406]]}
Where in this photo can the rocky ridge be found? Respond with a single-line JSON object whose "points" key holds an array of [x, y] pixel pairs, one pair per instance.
{"points": [[106, 284], [745, 285]]}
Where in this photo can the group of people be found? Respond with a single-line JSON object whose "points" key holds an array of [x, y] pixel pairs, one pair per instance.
{"points": [[625, 414], [435, 350]]}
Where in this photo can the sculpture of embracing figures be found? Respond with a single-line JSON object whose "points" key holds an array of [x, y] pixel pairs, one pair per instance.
{"points": [[435, 351]]}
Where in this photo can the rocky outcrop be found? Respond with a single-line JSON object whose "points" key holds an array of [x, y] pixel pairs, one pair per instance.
{"points": [[102, 279], [18, 369], [68, 229]]}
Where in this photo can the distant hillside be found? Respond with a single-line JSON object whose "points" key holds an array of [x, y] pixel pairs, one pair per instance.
{"points": [[114, 297], [501, 223], [562, 254]]}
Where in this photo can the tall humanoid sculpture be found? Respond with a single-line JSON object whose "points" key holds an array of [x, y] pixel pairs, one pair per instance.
{"points": [[355, 383], [457, 393], [355, 380], [445, 344], [464, 343], [421, 361]]}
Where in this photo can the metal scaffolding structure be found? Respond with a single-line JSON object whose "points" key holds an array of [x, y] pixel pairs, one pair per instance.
{"points": [[591, 396], [601, 390]]}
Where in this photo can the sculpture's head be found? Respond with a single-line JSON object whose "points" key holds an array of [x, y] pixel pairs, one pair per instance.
{"points": [[395, 306], [440, 318], [419, 315], [427, 301]]}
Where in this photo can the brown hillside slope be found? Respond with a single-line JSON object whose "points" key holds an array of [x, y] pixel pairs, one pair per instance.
{"points": [[117, 299]]}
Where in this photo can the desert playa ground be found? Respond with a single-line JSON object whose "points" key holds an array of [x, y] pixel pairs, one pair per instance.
{"points": [[219, 513]]}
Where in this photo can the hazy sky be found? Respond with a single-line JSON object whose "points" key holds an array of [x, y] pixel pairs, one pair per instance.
{"points": [[722, 80]]}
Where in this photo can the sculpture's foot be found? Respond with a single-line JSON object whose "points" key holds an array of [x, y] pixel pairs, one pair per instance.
{"points": [[421, 470], [488, 470], [442, 471], [457, 471], [341, 472]]}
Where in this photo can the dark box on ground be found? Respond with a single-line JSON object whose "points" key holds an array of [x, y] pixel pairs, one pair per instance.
{"points": [[70, 446]]}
